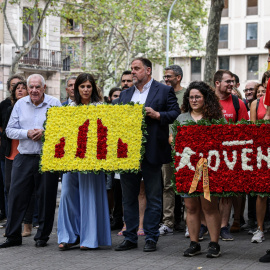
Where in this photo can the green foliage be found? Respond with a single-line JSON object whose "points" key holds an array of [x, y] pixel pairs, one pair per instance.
{"points": [[117, 31]]}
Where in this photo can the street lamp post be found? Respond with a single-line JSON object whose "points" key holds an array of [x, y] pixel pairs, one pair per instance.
{"points": [[168, 33]]}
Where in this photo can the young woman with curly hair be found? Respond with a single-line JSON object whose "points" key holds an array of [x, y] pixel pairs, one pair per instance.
{"points": [[201, 102]]}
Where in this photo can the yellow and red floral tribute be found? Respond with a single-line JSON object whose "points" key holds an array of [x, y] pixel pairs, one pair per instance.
{"points": [[82, 140], [237, 158], [93, 138]]}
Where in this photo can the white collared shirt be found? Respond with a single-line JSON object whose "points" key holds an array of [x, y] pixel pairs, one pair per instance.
{"points": [[141, 96], [25, 115]]}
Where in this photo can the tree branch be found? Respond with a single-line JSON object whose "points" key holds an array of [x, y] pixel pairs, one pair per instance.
{"points": [[8, 26], [42, 18]]}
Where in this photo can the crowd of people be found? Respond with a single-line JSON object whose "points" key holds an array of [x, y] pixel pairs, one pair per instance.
{"points": [[141, 203]]}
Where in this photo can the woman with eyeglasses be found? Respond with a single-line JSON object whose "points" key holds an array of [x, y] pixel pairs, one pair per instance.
{"points": [[201, 102]]}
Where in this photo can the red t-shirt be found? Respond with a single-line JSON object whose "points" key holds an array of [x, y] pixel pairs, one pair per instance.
{"points": [[229, 111], [261, 110], [267, 95]]}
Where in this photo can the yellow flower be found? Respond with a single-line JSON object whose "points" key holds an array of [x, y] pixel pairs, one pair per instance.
{"points": [[122, 121]]}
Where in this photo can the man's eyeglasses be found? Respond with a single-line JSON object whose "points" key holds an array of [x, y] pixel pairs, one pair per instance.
{"points": [[248, 89], [167, 77], [195, 98], [229, 81]]}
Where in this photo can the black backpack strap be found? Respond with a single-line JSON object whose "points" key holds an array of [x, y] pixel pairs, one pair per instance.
{"points": [[257, 106], [236, 105]]}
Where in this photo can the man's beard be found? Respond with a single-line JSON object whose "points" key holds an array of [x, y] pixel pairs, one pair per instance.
{"points": [[125, 87]]}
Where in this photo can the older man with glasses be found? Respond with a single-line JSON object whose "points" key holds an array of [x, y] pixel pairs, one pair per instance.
{"points": [[26, 125], [249, 93]]}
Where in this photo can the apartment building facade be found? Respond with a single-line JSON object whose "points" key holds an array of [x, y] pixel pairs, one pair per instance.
{"points": [[44, 58], [244, 30]]}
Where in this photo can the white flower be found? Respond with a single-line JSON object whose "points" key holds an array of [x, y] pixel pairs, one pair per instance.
{"points": [[245, 159], [261, 156], [210, 154], [185, 160]]}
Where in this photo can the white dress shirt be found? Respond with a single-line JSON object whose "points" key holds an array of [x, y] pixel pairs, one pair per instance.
{"points": [[25, 115], [141, 96]]}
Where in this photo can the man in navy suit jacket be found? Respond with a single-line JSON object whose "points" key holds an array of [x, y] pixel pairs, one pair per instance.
{"points": [[161, 110]]}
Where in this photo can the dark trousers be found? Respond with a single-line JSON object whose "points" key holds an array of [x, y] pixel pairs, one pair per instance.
{"points": [[117, 196], [30, 210], [130, 183], [252, 208], [8, 169], [28, 218], [2, 194], [24, 179]]}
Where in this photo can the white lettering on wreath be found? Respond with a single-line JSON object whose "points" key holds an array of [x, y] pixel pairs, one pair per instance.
{"points": [[261, 156], [210, 154], [188, 152], [230, 164], [230, 143], [185, 159], [245, 159]]}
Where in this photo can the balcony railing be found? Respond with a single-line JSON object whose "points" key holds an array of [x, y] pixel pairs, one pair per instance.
{"points": [[41, 57]]}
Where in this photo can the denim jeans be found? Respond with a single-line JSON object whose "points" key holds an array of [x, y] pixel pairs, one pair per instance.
{"points": [[130, 183]]}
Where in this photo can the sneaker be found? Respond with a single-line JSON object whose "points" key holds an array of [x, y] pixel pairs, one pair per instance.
{"points": [[213, 250], [187, 233], [266, 257], [225, 234], [203, 231], [35, 226], [252, 231], [165, 230], [258, 236], [3, 226], [194, 249]]}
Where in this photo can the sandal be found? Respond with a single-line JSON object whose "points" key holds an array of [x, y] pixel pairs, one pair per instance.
{"points": [[140, 232], [121, 232], [67, 246]]}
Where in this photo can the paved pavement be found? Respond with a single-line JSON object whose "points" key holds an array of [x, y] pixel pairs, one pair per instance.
{"points": [[238, 254]]}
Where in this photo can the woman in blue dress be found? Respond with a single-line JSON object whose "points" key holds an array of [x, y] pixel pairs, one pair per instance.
{"points": [[83, 212]]}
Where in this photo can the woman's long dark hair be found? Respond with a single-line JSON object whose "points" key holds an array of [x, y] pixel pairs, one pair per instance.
{"points": [[13, 91], [212, 108], [95, 97]]}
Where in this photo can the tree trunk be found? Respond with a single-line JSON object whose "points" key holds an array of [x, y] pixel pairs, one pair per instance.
{"points": [[35, 39], [212, 40]]}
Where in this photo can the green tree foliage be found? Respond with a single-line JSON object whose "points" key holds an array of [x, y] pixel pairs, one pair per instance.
{"points": [[117, 31]]}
